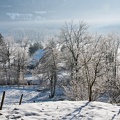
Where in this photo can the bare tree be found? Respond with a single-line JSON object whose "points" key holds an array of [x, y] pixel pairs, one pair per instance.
{"points": [[93, 64], [73, 37], [10, 52], [3, 59], [112, 66], [21, 58], [48, 66], [86, 59]]}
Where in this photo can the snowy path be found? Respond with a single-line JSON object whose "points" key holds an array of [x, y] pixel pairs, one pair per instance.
{"points": [[66, 110]]}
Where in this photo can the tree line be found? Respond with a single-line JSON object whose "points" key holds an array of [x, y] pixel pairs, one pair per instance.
{"points": [[91, 61]]}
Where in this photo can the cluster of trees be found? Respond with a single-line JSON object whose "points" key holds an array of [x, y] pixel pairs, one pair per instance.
{"points": [[91, 60], [13, 61]]}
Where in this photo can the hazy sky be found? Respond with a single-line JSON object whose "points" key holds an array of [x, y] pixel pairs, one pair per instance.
{"points": [[94, 12], [91, 10], [102, 11]]}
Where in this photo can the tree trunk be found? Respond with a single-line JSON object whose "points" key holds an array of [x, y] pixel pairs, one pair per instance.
{"points": [[53, 85], [51, 88], [90, 93], [55, 81]]}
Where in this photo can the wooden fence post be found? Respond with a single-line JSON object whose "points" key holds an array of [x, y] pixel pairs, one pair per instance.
{"points": [[20, 99], [2, 101]]}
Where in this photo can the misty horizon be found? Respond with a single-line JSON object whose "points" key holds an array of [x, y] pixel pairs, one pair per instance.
{"points": [[101, 16]]}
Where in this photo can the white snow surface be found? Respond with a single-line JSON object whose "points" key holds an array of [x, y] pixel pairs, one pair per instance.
{"points": [[67, 110], [46, 109]]}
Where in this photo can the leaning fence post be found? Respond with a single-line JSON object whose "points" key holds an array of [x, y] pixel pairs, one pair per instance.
{"points": [[20, 99], [2, 100]]}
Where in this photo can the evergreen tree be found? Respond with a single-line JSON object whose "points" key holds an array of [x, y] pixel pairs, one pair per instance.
{"points": [[33, 48]]}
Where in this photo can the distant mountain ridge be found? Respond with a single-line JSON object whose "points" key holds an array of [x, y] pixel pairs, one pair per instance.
{"points": [[33, 9]]}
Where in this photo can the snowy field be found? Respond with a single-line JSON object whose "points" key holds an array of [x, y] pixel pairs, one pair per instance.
{"points": [[66, 110], [44, 109], [30, 94]]}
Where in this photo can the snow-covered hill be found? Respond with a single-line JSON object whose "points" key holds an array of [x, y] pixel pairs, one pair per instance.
{"points": [[37, 55], [45, 108], [67, 110], [33, 61]]}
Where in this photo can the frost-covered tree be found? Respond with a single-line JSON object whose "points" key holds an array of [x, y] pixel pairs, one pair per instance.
{"points": [[73, 37], [112, 66], [48, 66], [93, 65], [3, 59], [3, 50], [21, 58], [85, 56]]}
